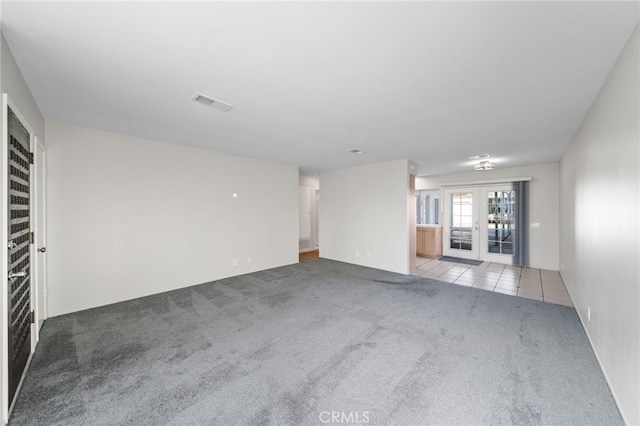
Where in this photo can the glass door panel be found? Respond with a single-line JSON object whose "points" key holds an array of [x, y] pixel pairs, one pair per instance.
{"points": [[460, 235], [500, 220], [460, 229]]}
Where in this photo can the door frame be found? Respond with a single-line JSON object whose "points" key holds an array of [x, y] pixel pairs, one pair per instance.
{"points": [[474, 253], [316, 220], [7, 405], [485, 255], [39, 203]]}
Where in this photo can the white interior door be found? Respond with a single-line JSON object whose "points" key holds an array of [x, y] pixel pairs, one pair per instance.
{"points": [[304, 222], [461, 228]]}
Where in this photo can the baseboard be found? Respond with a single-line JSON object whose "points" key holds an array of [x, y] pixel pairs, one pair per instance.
{"points": [[19, 388], [604, 373]]}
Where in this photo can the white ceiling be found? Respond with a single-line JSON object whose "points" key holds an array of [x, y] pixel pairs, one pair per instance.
{"points": [[435, 82]]}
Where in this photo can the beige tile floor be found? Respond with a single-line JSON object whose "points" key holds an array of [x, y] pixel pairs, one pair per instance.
{"points": [[538, 284]]}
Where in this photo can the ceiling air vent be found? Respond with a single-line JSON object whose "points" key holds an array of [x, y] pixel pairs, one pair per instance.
{"points": [[210, 102]]}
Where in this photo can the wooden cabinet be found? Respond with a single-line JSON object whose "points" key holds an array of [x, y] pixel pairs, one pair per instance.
{"points": [[429, 241]]}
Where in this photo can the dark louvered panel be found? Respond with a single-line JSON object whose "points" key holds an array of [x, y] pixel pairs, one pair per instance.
{"points": [[19, 252]]}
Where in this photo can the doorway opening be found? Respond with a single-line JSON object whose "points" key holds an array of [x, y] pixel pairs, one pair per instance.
{"points": [[308, 209]]}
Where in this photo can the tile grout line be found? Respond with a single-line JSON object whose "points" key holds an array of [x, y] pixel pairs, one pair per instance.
{"points": [[519, 278], [541, 286], [498, 280]]}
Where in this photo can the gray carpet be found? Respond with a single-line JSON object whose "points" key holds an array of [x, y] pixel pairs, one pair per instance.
{"points": [[313, 343]]}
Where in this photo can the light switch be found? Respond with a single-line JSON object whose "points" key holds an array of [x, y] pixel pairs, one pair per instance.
{"points": [[535, 225]]}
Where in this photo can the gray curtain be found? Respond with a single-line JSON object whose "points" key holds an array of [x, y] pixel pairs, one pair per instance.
{"points": [[521, 249]]}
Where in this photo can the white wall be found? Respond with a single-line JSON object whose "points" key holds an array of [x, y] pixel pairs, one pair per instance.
{"points": [[12, 83], [544, 199], [130, 217], [365, 209], [600, 229]]}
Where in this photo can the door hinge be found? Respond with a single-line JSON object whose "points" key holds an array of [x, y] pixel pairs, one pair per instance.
{"points": [[32, 317], [31, 158], [32, 238]]}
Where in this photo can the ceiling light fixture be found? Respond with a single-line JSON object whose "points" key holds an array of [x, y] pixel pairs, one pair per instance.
{"points": [[479, 157], [210, 102], [484, 165], [357, 152]]}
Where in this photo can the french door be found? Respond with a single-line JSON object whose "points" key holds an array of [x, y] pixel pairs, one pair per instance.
{"points": [[480, 223], [461, 229]]}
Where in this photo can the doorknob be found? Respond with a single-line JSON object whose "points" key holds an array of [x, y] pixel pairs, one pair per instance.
{"points": [[11, 245], [42, 249], [14, 275]]}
